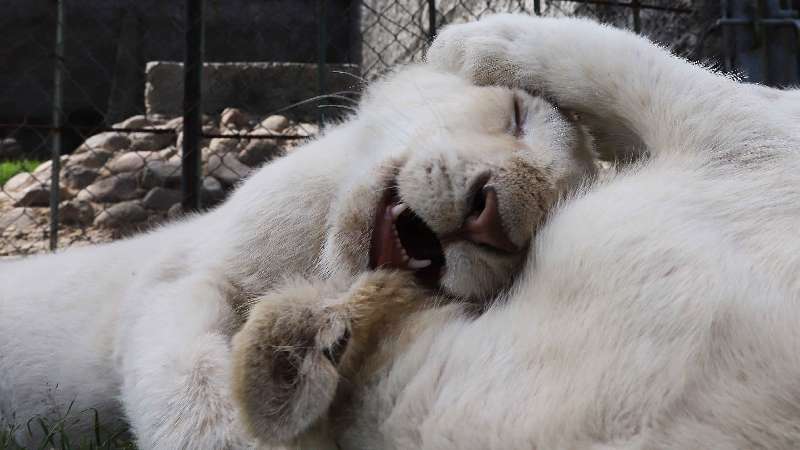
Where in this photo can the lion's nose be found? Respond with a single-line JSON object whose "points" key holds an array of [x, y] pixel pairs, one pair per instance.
{"points": [[484, 224]]}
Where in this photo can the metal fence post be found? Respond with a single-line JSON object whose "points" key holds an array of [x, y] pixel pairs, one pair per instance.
{"points": [[192, 106], [762, 40], [58, 107], [537, 7], [637, 18], [322, 56], [782, 39], [431, 20]]}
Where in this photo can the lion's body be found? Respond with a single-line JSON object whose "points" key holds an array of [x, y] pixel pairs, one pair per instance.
{"points": [[660, 308], [667, 320], [656, 309], [96, 325], [140, 330]]}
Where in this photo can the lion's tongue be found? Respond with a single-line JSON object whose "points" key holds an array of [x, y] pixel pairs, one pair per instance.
{"points": [[386, 251]]}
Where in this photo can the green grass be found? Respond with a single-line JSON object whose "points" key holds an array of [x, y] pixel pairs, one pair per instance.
{"points": [[10, 168], [56, 434]]}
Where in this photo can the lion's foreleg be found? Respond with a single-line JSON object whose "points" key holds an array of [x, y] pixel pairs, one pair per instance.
{"points": [[301, 341]]}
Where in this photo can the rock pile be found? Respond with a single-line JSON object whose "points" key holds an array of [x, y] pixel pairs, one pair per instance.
{"points": [[118, 179]]}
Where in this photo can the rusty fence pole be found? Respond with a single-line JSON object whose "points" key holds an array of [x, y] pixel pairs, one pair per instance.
{"points": [[58, 122], [192, 106]]}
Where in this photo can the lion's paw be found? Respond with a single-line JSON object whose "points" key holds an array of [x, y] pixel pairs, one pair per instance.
{"points": [[301, 340], [482, 51], [285, 361], [519, 51]]}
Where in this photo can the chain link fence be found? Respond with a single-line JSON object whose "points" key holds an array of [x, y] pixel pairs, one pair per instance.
{"points": [[118, 116]]}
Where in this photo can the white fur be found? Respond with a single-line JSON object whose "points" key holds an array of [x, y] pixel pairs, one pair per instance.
{"points": [[140, 329], [660, 309]]}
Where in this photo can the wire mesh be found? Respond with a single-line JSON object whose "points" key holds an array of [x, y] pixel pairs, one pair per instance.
{"points": [[274, 72]]}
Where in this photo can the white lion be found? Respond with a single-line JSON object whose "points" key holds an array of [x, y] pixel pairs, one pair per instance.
{"points": [[657, 310], [433, 174]]}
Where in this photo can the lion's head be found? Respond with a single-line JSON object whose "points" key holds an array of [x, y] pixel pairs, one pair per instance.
{"points": [[451, 181]]}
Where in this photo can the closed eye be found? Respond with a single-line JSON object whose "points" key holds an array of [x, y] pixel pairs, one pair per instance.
{"points": [[520, 115]]}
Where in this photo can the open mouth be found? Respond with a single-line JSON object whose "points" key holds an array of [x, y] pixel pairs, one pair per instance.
{"points": [[402, 240]]}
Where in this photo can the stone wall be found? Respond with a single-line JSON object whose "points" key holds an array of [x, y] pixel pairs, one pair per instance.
{"points": [[107, 44], [260, 88]]}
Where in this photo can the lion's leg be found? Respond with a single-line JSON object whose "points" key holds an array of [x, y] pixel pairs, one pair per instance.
{"points": [[624, 85], [300, 341], [176, 368]]}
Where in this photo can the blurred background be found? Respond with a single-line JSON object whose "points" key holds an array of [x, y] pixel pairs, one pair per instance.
{"points": [[118, 115]]}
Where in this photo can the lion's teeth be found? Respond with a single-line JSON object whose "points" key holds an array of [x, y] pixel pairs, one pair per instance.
{"points": [[418, 263], [398, 209]]}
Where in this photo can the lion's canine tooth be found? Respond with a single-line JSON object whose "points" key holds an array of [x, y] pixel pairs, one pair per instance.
{"points": [[398, 209], [418, 263]]}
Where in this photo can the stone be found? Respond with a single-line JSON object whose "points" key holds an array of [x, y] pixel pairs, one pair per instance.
{"points": [[78, 177], [204, 142], [76, 212], [20, 218], [114, 188], [161, 199], [175, 211], [45, 166], [131, 161], [167, 153], [272, 124], [212, 192], [258, 151], [303, 129], [151, 141], [233, 119], [42, 171], [37, 194], [110, 140], [161, 174], [10, 148], [139, 121], [221, 146], [174, 124], [93, 159], [19, 181], [226, 168], [121, 214]]}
